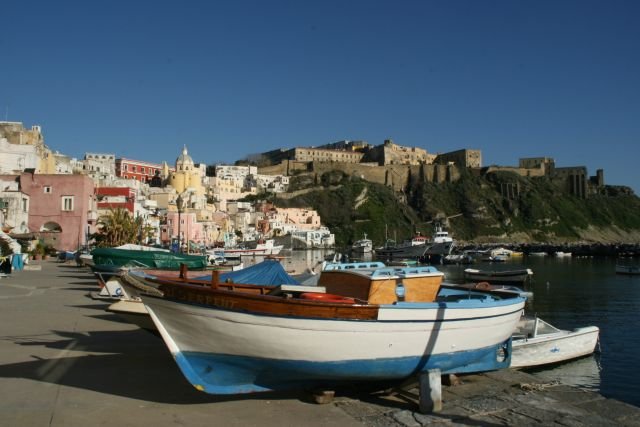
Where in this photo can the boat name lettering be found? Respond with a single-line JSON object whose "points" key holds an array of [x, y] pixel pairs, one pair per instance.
{"points": [[202, 299]]}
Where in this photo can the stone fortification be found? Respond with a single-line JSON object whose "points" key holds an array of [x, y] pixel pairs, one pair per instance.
{"points": [[395, 176], [464, 158], [390, 153]]}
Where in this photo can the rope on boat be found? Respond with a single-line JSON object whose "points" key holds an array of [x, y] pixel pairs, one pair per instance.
{"points": [[141, 286], [538, 387]]}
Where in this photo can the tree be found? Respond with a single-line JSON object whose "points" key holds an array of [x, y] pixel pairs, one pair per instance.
{"points": [[118, 227]]}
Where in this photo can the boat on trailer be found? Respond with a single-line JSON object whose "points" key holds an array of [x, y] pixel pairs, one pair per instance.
{"points": [[256, 338]]}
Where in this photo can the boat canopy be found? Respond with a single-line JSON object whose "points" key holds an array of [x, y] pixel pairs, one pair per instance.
{"points": [[265, 273]]}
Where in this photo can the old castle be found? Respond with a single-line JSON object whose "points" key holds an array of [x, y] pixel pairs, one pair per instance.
{"points": [[395, 165]]}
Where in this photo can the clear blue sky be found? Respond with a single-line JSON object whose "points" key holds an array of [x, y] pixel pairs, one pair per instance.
{"points": [[229, 78]]}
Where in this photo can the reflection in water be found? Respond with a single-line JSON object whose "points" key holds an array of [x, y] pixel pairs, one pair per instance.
{"points": [[583, 373], [575, 292]]}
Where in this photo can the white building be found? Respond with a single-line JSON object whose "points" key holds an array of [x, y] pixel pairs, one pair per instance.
{"points": [[101, 167], [271, 183], [14, 207], [16, 158], [321, 238]]}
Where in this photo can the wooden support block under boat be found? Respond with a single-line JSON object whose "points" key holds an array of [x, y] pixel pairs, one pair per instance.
{"points": [[430, 391]]}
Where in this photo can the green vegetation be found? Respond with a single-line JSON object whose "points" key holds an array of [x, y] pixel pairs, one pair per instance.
{"points": [[118, 227], [500, 205]]}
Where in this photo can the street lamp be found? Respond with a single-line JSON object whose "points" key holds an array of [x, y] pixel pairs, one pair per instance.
{"points": [[179, 205]]}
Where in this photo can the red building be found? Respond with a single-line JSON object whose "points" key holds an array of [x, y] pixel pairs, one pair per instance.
{"points": [[116, 197], [137, 169]]}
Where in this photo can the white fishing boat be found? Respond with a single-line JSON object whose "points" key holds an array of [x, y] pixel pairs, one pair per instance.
{"points": [[362, 246], [262, 248], [561, 254], [133, 311], [536, 342], [229, 342]]}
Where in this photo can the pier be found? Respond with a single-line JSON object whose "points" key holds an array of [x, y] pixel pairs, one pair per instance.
{"points": [[65, 361]]}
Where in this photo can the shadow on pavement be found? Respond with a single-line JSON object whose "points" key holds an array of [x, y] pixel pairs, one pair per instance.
{"points": [[135, 364]]}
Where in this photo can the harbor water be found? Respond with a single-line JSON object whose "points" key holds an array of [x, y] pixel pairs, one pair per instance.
{"points": [[569, 293]]}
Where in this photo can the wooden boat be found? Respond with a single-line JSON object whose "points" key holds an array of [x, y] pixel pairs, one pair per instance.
{"points": [[536, 342], [505, 277], [627, 269], [377, 284], [127, 292], [260, 339]]}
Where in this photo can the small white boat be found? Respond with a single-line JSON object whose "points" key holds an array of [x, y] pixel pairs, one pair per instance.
{"points": [[561, 254], [266, 247], [133, 311], [537, 254], [536, 342], [504, 277], [362, 246], [627, 269]]}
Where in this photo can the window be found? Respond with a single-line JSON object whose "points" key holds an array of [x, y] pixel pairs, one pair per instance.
{"points": [[142, 170], [47, 189], [25, 205], [67, 203], [126, 167]]}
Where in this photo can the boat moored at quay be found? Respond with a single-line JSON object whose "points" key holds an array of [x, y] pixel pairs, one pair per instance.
{"points": [[261, 338]]}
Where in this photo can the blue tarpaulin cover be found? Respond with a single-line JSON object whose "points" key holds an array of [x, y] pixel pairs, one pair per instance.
{"points": [[266, 273]]}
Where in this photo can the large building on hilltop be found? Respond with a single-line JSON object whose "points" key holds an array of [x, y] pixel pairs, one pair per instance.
{"points": [[391, 153], [464, 158]]}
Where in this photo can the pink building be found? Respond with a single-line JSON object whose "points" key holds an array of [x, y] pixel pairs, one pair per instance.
{"points": [[61, 207], [190, 229]]}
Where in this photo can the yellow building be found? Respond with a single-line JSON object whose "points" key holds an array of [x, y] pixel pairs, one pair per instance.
{"points": [[186, 176]]}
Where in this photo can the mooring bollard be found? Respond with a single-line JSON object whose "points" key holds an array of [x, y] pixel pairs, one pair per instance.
{"points": [[430, 391]]}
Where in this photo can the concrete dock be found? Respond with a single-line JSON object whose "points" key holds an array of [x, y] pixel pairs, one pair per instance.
{"points": [[65, 361]]}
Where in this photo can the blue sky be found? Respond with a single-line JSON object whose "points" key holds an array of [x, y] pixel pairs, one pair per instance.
{"points": [[229, 78]]}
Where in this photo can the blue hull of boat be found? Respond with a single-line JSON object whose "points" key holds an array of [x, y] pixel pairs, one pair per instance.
{"points": [[225, 374]]}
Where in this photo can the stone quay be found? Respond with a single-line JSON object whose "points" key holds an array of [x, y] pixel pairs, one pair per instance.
{"points": [[65, 361]]}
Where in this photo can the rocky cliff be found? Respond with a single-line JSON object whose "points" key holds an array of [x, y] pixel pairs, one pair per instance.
{"points": [[501, 207]]}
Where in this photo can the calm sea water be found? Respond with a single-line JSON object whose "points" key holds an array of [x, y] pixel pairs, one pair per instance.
{"points": [[575, 292], [571, 293]]}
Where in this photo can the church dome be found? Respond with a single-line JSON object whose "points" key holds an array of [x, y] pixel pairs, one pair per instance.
{"points": [[184, 160]]}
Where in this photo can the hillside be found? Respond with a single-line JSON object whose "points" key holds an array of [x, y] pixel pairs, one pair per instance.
{"points": [[472, 208]]}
